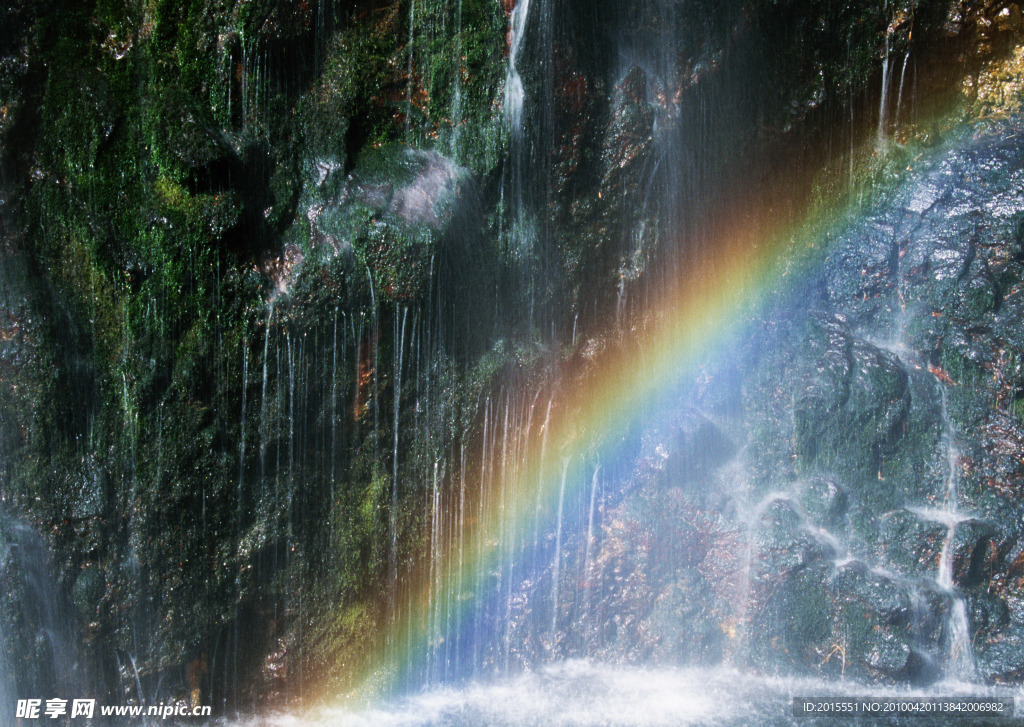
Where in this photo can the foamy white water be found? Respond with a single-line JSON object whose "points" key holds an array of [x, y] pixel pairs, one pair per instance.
{"points": [[581, 693]]}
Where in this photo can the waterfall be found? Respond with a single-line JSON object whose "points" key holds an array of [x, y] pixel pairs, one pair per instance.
{"points": [[627, 393], [959, 657]]}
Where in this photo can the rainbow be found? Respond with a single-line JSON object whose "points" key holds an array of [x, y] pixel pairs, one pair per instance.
{"points": [[747, 264]]}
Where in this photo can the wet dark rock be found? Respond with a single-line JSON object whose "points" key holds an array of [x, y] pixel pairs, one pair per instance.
{"points": [[974, 554], [889, 655], [687, 623], [89, 589], [883, 596], [1001, 659], [630, 131], [869, 255], [988, 612], [824, 501], [892, 658], [784, 543], [998, 468], [790, 616], [912, 542], [852, 412]]}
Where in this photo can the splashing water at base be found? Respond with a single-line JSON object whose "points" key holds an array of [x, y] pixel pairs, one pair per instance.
{"points": [[581, 692]]}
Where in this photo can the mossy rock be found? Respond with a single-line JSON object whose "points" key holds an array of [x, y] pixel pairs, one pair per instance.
{"points": [[396, 215]]}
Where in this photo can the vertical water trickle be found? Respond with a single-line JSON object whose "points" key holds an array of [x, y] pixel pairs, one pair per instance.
{"points": [[587, 564], [503, 587], [393, 515], [244, 100], [886, 62], [376, 390], [240, 486], [620, 303], [279, 392], [430, 514], [239, 493], [960, 656], [334, 427], [409, 82], [540, 489], [480, 545], [557, 562], [263, 394], [334, 389], [436, 574], [515, 93], [291, 426], [885, 93], [356, 400], [899, 93], [853, 135], [460, 540]]}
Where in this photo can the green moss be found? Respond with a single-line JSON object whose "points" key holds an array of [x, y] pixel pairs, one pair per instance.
{"points": [[360, 85], [461, 66]]}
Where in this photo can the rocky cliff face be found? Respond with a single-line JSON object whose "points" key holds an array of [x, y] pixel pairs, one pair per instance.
{"points": [[861, 515], [264, 263]]}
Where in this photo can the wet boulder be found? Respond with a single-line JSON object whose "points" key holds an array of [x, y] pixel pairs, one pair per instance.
{"points": [[184, 138], [914, 541], [973, 554], [790, 617], [851, 411], [1001, 658], [885, 597], [997, 465], [885, 625], [783, 541], [988, 613], [911, 542], [892, 658]]}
